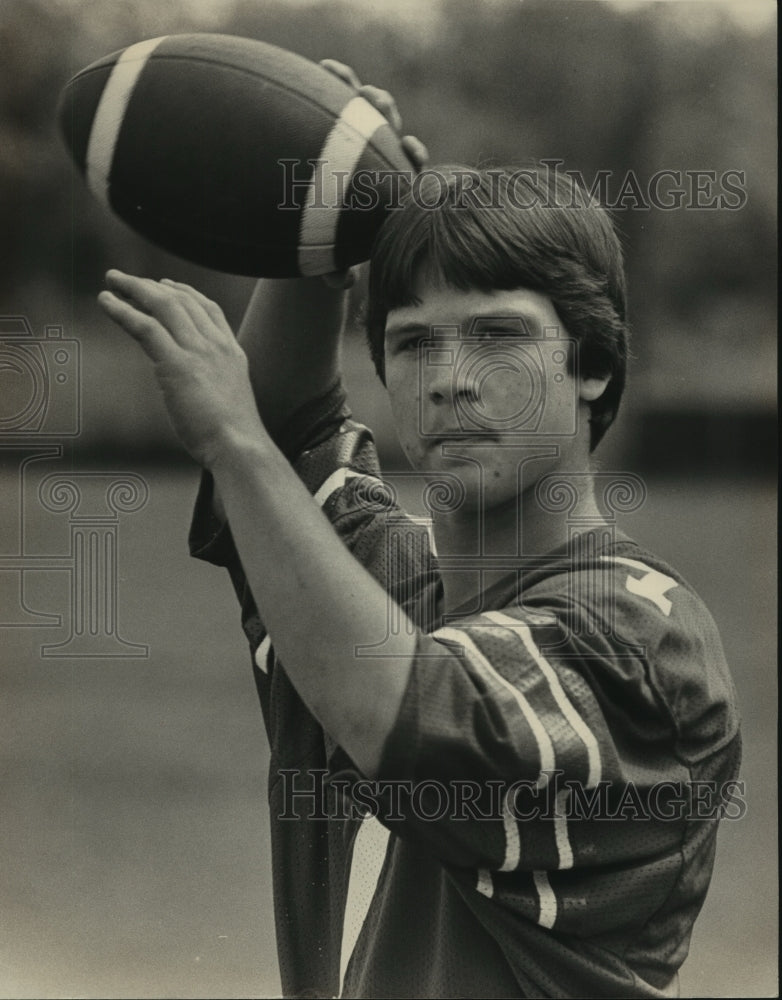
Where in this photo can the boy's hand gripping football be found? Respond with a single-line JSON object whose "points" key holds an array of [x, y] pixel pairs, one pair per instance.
{"points": [[386, 105]]}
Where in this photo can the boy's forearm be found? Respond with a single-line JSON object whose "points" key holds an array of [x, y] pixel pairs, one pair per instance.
{"points": [[291, 335], [319, 604]]}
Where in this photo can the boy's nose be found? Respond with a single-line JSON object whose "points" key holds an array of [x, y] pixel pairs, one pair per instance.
{"points": [[448, 380]]}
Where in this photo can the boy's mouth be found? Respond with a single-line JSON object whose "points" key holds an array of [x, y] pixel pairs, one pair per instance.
{"points": [[463, 437]]}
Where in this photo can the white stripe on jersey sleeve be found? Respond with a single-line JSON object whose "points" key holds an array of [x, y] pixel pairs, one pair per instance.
{"points": [[366, 863], [262, 654], [583, 731], [110, 113], [512, 839], [548, 901], [484, 883], [564, 850], [477, 659], [341, 152], [337, 480]]}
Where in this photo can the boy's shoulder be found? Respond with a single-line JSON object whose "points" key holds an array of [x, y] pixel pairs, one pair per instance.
{"points": [[619, 588], [639, 633]]}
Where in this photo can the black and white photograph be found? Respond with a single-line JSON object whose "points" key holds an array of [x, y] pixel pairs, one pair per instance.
{"points": [[388, 541]]}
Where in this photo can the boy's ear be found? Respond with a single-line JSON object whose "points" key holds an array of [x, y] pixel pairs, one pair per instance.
{"points": [[590, 389]]}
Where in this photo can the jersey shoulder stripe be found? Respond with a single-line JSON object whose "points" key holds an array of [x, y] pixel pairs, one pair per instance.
{"points": [[523, 632], [504, 691]]}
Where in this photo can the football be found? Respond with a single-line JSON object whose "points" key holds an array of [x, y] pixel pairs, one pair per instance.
{"points": [[234, 154]]}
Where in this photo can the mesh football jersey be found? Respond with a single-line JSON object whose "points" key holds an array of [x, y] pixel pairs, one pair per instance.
{"points": [[545, 816]]}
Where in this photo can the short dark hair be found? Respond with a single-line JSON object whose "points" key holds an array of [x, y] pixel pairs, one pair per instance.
{"points": [[507, 228]]}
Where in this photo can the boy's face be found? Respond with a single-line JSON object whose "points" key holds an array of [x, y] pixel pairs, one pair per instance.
{"points": [[482, 383]]}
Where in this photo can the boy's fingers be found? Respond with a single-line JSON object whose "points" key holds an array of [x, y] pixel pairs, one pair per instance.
{"points": [[416, 151], [142, 292], [153, 338], [162, 303], [341, 70], [190, 294], [384, 102]]}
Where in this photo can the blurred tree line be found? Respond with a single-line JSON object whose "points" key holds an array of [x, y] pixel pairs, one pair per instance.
{"points": [[628, 91]]}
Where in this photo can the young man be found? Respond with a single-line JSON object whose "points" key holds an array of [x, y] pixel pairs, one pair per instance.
{"points": [[483, 765]]}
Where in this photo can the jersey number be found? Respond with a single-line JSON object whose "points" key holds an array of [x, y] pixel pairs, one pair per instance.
{"points": [[653, 585]]}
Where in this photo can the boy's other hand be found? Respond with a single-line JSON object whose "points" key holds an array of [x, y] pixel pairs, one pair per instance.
{"points": [[199, 365]]}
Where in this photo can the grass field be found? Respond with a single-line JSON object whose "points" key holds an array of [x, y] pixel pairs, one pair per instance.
{"points": [[133, 828]]}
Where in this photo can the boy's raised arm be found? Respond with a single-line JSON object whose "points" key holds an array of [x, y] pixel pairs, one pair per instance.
{"points": [[291, 336]]}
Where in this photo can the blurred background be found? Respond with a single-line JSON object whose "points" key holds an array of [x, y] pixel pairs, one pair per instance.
{"points": [[133, 823]]}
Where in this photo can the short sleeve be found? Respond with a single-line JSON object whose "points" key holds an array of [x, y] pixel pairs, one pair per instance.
{"points": [[532, 713]]}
